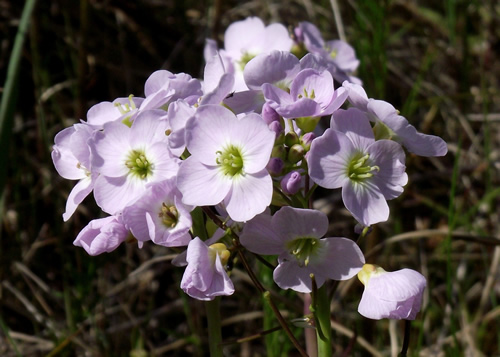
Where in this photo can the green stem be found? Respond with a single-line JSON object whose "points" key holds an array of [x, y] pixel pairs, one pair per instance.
{"points": [[199, 229], [323, 327], [10, 90], [214, 327]]}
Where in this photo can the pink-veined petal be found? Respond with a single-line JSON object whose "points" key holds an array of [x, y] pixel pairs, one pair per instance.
{"points": [[249, 196], [258, 236], [253, 135], [294, 223], [329, 158], [273, 67], [206, 132], [341, 259], [113, 194], [365, 202], [355, 124], [289, 275], [202, 185], [109, 150]]}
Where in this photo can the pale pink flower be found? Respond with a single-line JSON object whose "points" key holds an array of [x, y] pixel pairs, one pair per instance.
{"points": [[227, 163], [390, 295]]}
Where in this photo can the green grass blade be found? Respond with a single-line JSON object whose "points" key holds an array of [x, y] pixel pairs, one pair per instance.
{"points": [[9, 95]]}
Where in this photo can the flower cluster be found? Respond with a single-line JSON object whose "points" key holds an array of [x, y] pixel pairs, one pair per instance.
{"points": [[244, 138]]}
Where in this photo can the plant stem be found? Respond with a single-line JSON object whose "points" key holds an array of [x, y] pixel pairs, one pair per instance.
{"points": [[406, 340], [214, 327], [266, 294], [323, 327]]}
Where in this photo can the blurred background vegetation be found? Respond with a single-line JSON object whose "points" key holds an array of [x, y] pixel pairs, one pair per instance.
{"points": [[436, 61]]}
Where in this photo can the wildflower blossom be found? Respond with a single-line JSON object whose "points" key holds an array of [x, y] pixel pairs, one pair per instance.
{"points": [[71, 157], [390, 125], [130, 158], [244, 40], [390, 295], [163, 87], [102, 235], [337, 55], [312, 94], [121, 109], [295, 235], [205, 276], [227, 163], [368, 171], [159, 215]]}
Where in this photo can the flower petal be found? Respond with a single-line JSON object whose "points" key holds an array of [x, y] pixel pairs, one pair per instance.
{"points": [[329, 158], [289, 275], [365, 202], [249, 196], [207, 132], [259, 237], [272, 67], [256, 139], [294, 223], [77, 195], [109, 149], [355, 124], [391, 176], [201, 185], [341, 259]]}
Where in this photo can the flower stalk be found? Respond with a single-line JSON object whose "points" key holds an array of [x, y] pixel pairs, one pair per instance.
{"points": [[322, 315], [214, 327]]}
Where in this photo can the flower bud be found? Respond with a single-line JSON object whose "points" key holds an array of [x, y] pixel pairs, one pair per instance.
{"points": [[291, 139], [279, 151], [296, 153], [277, 128], [291, 183], [307, 124], [306, 140], [299, 34], [269, 114], [275, 166]]}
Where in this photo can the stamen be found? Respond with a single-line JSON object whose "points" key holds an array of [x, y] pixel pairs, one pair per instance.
{"points": [[169, 215], [138, 164], [303, 249], [230, 160], [358, 169]]}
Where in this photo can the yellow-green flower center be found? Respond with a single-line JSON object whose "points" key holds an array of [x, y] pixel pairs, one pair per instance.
{"points": [[138, 164], [247, 57], [303, 249], [169, 215], [359, 168], [230, 160]]}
